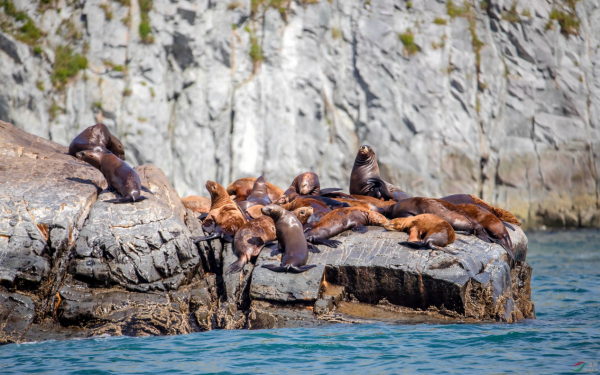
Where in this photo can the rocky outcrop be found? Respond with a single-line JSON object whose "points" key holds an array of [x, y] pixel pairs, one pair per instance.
{"points": [[73, 265], [490, 98]]}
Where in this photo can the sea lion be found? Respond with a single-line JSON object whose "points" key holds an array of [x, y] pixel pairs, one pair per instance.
{"points": [[303, 214], [386, 205], [494, 227], [196, 203], [255, 211], [291, 241], [225, 218], [425, 231], [460, 220], [120, 176], [97, 138], [242, 188], [329, 202], [365, 180], [258, 196], [340, 220], [501, 214], [320, 209], [306, 184], [250, 239], [363, 205]]}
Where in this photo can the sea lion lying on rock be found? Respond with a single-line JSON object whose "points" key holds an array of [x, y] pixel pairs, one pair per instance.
{"points": [[303, 214], [258, 196], [242, 188], [365, 180], [250, 239], [291, 241], [425, 231], [501, 214], [97, 138], [319, 208], [225, 218], [340, 220], [494, 227], [460, 220], [120, 176]]}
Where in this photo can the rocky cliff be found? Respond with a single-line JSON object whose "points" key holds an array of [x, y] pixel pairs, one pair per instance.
{"points": [[497, 98]]}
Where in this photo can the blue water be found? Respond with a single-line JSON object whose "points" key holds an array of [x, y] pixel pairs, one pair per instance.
{"points": [[566, 293]]}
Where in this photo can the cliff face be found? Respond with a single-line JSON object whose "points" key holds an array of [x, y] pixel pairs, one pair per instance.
{"points": [[494, 98]]}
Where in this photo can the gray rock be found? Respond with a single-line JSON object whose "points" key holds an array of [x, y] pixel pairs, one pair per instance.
{"points": [[17, 313]]}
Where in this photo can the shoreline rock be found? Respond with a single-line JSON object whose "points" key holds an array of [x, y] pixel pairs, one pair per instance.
{"points": [[72, 265]]}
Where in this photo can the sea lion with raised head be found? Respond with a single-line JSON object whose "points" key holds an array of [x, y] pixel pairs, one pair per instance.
{"points": [[242, 188], [97, 138], [120, 176], [258, 196], [340, 220], [250, 239], [303, 214], [320, 209], [460, 220], [424, 231], [291, 241], [196, 203], [225, 218], [501, 214], [493, 226], [365, 179]]}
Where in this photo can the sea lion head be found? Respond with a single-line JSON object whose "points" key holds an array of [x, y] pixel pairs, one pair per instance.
{"points": [[309, 182], [215, 190], [303, 214], [91, 157], [274, 211], [116, 147], [365, 152]]}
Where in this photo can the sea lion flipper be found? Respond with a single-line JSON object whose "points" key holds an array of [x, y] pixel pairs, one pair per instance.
{"points": [[414, 244], [378, 185], [360, 229], [227, 238], [275, 268], [509, 226], [119, 200], [206, 238], [236, 266], [433, 246], [203, 216], [321, 241], [313, 249], [294, 269]]}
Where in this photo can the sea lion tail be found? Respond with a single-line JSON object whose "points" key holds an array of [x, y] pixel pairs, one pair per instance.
{"points": [[236, 266], [506, 245], [206, 238], [509, 226], [415, 244], [275, 268], [294, 269]]}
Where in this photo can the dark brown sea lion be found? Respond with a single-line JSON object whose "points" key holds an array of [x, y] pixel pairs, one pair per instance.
{"points": [[196, 203], [365, 180], [460, 220], [329, 202], [501, 214], [258, 196], [494, 227], [291, 241], [250, 239], [425, 231], [320, 209], [305, 184], [97, 138], [242, 188], [120, 176], [225, 218], [340, 220], [303, 214]]}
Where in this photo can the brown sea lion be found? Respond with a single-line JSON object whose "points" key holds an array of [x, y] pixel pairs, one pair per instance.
{"points": [[387, 205], [363, 205], [365, 180], [501, 214], [303, 213], [425, 231], [493, 226], [120, 176], [97, 138], [196, 203], [340, 220], [242, 188], [460, 220], [320, 209], [258, 196], [225, 218], [291, 241], [250, 239]]}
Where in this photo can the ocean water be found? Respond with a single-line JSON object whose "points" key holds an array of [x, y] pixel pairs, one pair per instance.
{"points": [[565, 290]]}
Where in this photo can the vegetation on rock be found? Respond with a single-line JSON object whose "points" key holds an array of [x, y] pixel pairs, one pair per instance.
{"points": [[66, 65]]}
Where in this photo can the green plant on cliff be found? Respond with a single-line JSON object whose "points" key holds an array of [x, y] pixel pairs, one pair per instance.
{"points": [[66, 65], [19, 24], [408, 39], [439, 21], [568, 21], [145, 30], [511, 15]]}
